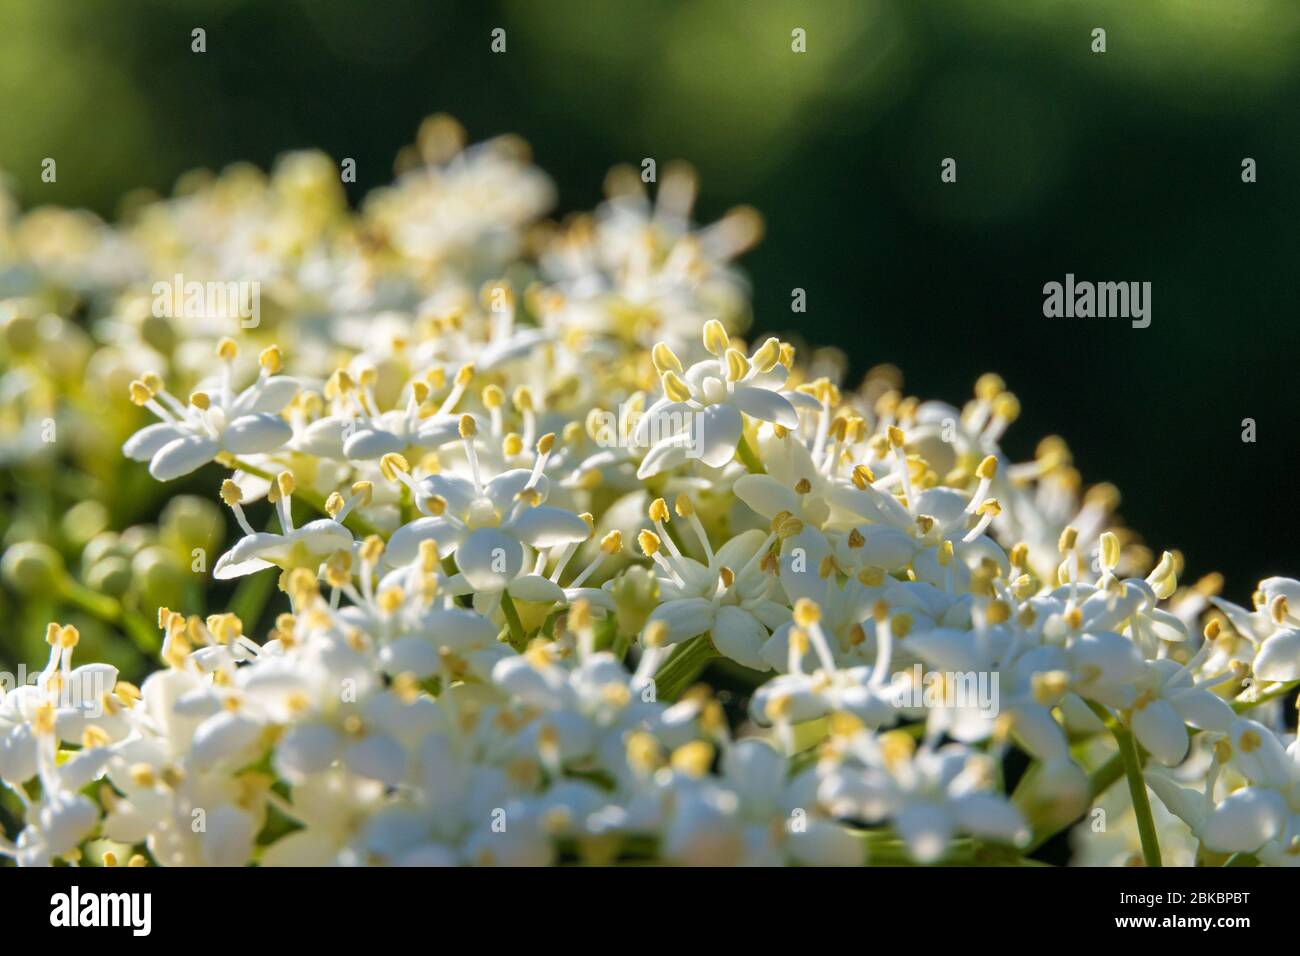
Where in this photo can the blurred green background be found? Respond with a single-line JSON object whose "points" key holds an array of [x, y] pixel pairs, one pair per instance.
{"points": [[1122, 166]]}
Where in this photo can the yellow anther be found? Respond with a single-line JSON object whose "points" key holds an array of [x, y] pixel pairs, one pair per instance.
{"points": [[803, 486], [862, 477], [806, 613], [393, 464], [693, 759], [468, 427], [655, 635], [871, 577], [945, 553], [767, 356], [227, 350], [676, 389], [270, 359], [334, 504], [895, 435], [1110, 550], [523, 399], [649, 542], [140, 393], [716, 340], [372, 548], [844, 724], [365, 490], [201, 401], [612, 543], [231, 493], [999, 612], [643, 752], [1212, 629], [988, 468], [897, 747], [428, 555], [546, 443], [665, 359], [727, 576], [1006, 407], [989, 386], [737, 365], [1278, 609], [1068, 539], [390, 600], [284, 481], [436, 505], [493, 397], [659, 510], [512, 444], [991, 506], [1164, 579]]}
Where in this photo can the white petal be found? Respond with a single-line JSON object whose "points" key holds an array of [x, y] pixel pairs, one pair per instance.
{"points": [[410, 655], [269, 396], [926, 828], [490, 559], [370, 443], [685, 618], [404, 546], [535, 587], [1161, 731], [306, 749], [145, 443], [766, 405], [224, 736], [379, 757], [987, 815], [740, 637], [256, 434], [181, 456], [545, 527], [1245, 820], [765, 495], [720, 429], [227, 838], [1279, 657]]}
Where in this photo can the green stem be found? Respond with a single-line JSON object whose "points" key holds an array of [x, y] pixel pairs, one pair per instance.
{"points": [[109, 610], [518, 639], [1137, 785], [748, 457], [677, 673], [1242, 706]]}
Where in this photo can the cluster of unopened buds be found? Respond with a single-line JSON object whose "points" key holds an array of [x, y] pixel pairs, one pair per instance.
{"points": [[515, 520]]}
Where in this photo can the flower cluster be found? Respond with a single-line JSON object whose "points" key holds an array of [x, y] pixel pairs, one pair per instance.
{"points": [[520, 483]]}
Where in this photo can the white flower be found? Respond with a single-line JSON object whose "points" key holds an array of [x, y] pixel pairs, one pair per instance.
{"points": [[216, 420], [703, 408]]}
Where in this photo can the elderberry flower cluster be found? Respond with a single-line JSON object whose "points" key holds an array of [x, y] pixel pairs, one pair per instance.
{"points": [[521, 485]]}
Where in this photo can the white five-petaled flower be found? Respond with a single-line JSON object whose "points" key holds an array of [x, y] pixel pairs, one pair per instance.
{"points": [[216, 420], [703, 408]]}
